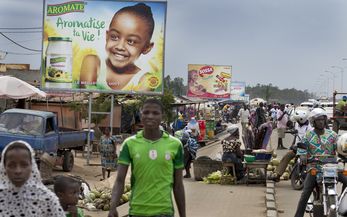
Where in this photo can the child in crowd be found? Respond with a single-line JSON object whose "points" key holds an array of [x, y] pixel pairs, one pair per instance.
{"points": [[68, 190], [129, 36]]}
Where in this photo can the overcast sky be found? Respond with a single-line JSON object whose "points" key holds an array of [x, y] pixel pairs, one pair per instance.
{"points": [[288, 43]]}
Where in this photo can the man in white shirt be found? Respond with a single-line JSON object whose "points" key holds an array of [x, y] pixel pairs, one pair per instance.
{"points": [[244, 115], [282, 119]]}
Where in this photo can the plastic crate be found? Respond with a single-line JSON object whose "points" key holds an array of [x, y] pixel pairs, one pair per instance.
{"points": [[263, 156], [249, 158]]}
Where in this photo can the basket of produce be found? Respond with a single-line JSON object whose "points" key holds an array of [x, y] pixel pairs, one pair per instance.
{"points": [[100, 199], [203, 166], [249, 158], [213, 178]]}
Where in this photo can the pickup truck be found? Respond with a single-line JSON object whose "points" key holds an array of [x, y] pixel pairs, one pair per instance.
{"points": [[40, 129]]}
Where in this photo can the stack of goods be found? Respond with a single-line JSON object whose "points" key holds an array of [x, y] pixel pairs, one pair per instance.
{"points": [[274, 162], [219, 177], [100, 199]]}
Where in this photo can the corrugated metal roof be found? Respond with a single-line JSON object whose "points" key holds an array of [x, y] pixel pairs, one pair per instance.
{"points": [[30, 112]]}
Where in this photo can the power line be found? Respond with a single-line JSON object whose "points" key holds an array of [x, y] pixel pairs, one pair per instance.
{"points": [[22, 31], [33, 39], [14, 53], [18, 44], [22, 28]]}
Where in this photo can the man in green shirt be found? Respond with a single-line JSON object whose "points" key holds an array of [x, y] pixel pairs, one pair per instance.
{"points": [[156, 160], [340, 107]]}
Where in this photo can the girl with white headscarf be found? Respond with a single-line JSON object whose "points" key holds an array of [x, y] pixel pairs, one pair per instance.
{"points": [[21, 190]]}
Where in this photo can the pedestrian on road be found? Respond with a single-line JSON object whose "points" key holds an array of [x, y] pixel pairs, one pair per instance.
{"points": [[108, 153], [190, 146], [282, 119], [260, 115], [156, 160], [301, 127], [319, 141], [244, 116], [21, 190]]}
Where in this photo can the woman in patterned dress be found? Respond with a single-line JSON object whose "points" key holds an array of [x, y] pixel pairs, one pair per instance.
{"points": [[108, 153]]}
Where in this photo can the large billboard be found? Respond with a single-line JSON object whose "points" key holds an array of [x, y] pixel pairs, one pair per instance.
{"points": [[103, 46], [237, 90], [209, 81]]}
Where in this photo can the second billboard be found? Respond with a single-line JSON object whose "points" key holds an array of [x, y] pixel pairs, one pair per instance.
{"points": [[209, 81]]}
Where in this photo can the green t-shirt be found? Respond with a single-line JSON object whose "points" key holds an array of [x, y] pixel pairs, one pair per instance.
{"points": [[79, 213], [340, 105], [152, 171]]}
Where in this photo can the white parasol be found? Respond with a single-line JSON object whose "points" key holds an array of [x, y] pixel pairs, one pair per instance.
{"points": [[17, 89]]}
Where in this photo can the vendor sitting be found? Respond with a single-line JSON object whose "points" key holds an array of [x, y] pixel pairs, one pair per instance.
{"points": [[232, 152]]}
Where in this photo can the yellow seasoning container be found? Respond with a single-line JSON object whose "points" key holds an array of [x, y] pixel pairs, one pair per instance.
{"points": [[59, 62]]}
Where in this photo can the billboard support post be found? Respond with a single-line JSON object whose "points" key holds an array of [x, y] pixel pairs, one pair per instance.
{"points": [[89, 122], [90, 112], [111, 115]]}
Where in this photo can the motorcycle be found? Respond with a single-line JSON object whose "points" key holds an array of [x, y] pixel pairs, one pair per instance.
{"points": [[297, 173], [325, 197], [342, 209]]}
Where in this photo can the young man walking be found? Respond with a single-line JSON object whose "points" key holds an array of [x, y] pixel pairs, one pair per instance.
{"points": [[156, 160]]}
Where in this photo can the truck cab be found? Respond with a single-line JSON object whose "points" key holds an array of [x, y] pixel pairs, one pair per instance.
{"points": [[40, 129]]}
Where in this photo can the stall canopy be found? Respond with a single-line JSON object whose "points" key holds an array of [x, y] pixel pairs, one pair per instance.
{"points": [[15, 88]]}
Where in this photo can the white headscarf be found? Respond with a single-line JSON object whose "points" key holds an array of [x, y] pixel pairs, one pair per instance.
{"points": [[31, 199]]}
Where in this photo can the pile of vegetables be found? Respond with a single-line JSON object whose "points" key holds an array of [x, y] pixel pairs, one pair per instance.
{"points": [[219, 177], [100, 199], [213, 178], [274, 164]]}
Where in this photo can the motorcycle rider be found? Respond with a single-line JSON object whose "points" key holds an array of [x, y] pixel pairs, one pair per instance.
{"points": [[302, 125], [319, 141]]}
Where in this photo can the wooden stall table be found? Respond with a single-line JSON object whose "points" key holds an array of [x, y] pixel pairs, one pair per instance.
{"points": [[227, 165], [260, 164]]}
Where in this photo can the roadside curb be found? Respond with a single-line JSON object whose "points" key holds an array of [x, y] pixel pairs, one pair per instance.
{"points": [[270, 199]]}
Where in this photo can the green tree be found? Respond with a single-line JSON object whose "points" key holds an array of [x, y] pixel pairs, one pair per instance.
{"points": [[272, 93]]}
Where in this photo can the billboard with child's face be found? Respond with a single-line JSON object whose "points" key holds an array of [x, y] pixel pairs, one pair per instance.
{"points": [[103, 46], [209, 81]]}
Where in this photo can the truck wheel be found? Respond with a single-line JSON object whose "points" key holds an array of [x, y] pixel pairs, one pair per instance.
{"points": [[68, 161]]}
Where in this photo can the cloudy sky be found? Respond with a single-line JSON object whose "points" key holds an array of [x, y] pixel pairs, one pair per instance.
{"points": [[289, 43]]}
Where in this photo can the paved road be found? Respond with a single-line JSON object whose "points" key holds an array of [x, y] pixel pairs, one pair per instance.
{"points": [[212, 200]]}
